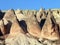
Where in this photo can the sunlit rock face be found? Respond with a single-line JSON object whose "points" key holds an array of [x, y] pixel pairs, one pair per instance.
{"points": [[30, 27]]}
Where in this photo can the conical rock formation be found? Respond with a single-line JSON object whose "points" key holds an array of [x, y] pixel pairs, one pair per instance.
{"points": [[50, 28]]}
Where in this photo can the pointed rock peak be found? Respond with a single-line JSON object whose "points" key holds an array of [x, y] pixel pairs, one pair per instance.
{"points": [[50, 14], [29, 14], [10, 15], [41, 10], [11, 11], [41, 15], [26, 12], [18, 11], [49, 11], [50, 19], [50, 29]]}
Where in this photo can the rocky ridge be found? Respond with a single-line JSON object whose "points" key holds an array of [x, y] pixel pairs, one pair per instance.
{"points": [[30, 27]]}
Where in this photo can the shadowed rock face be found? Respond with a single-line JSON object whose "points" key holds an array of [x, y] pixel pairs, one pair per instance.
{"points": [[23, 25], [33, 28], [2, 29], [41, 15], [32, 24], [29, 27], [10, 17], [1, 14], [50, 28]]}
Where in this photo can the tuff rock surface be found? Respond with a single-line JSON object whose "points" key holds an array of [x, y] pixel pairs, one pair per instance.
{"points": [[30, 27]]}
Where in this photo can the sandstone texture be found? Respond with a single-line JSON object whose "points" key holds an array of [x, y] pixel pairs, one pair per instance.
{"points": [[30, 27]]}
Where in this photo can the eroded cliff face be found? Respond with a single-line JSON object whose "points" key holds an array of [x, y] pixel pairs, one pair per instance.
{"points": [[30, 27]]}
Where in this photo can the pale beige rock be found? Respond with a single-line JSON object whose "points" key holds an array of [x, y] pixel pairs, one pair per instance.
{"points": [[19, 15], [50, 29], [22, 39], [15, 32], [2, 27], [17, 36], [57, 18], [41, 15], [15, 28], [10, 14], [18, 11], [19, 39], [32, 25], [5, 21]]}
